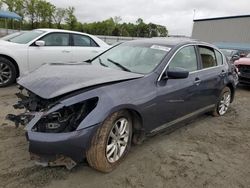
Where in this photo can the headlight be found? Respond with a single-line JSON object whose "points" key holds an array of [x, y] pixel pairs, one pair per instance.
{"points": [[66, 119]]}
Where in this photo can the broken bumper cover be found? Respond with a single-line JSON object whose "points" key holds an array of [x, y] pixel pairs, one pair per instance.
{"points": [[60, 149]]}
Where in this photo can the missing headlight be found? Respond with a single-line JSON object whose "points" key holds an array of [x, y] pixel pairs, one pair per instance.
{"points": [[66, 119]]}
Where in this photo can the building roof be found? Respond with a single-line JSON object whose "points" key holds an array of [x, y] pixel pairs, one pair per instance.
{"points": [[233, 46], [222, 18], [9, 15]]}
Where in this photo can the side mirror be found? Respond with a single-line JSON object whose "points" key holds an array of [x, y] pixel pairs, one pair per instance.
{"points": [[177, 73], [40, 43]]}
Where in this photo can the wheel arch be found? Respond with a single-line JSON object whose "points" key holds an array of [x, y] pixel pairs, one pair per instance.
{"points": [[14, 63], [232, 89]]}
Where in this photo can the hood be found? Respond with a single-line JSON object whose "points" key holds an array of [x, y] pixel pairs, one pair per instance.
{"points": [[5, 44], [242, 61], [53, 80]]}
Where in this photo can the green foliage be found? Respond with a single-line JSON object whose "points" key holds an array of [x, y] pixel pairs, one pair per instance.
{"points": [[71, 18], [41, 13]]}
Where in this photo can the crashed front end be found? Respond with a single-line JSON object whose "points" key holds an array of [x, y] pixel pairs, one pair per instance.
{"points": [[52, 128]]}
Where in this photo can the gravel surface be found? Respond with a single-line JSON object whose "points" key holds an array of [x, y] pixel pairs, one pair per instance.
{"points": [[208, 152]]}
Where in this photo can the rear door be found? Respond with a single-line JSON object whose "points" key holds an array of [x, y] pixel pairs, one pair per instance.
{"points": [[57, 49], [84, 48], [212, 74]]}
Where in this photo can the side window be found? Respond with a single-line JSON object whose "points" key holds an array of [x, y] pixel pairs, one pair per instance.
{"points": [[207, 57], [219, 58], [81, 40], [56, 39], [185, 58]]}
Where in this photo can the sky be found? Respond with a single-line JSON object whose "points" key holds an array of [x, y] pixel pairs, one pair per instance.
{"points": [[176, 15]]}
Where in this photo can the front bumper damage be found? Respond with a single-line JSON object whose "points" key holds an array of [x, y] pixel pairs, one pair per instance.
{"points": [[52, 145], [64, 149]]}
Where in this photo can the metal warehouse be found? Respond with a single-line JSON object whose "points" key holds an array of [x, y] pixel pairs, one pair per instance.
{"points": [[233, 29]]}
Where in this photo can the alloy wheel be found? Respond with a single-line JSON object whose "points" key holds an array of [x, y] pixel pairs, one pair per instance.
{"points": [[5, 73], [224, 103], [117, 140]]}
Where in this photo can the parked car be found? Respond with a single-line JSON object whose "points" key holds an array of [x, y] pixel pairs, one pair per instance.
{"points": [[233, 54], [26, 52], [138, 88], [243, 67]]}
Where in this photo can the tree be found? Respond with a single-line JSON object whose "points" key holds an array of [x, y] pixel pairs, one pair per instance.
{"points": [[162, 30], [71, 18], [30, 7], [59, 16]]}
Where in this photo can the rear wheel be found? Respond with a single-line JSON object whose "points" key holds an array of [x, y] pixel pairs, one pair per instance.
{"points": [[111, 143], [7, 72], [223, 103]]}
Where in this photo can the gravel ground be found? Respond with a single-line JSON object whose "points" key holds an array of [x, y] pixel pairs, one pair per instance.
{"points": [[209, 152]]}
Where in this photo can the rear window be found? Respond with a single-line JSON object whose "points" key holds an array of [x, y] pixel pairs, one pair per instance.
{"points": [[207, 56]]}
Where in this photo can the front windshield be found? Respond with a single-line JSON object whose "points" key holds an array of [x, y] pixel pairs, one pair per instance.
{"points": [[130, 57], [10, 36], [26, 37]]}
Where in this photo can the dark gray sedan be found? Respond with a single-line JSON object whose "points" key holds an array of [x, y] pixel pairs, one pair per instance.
{"points": [[95, 109]]}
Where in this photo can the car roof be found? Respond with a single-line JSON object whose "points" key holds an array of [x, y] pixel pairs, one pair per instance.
{"points": [[60, 30], [168, 41]]}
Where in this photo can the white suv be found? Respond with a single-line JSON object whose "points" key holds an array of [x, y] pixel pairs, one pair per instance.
{"points": [[29, 50]]}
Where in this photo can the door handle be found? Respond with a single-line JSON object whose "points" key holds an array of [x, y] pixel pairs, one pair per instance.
{"points": [[66, 51], [197, 81]]}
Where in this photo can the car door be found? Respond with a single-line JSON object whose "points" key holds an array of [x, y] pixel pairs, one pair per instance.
{"points": [[178, 99], [56, 49], [211, 75], [84, 48]]}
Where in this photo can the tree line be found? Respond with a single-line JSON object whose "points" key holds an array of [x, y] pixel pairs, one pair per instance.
{"points": [[43, 14]]}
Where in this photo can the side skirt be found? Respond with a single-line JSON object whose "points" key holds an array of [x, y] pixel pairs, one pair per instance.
{"points": [[181, 119]]}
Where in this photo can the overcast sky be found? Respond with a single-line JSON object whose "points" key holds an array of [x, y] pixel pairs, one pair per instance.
{"points": [[176, 15]]}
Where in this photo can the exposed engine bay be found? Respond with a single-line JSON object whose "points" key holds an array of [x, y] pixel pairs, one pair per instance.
{"points": [[66, 119]]}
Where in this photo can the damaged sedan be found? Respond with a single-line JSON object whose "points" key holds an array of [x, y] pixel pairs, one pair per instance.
{"points": [[96, 109]]}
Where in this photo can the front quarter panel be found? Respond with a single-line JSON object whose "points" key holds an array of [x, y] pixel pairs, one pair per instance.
{"points": [[137, 94]]}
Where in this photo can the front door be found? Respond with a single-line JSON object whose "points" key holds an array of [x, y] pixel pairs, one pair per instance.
{"points": [[179, 98], [57, 49]]}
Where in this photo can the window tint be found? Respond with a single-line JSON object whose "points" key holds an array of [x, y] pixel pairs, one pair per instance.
{"points": [[207, 57], [56, 39], [81, 40], [185, 58], [219, 58]]}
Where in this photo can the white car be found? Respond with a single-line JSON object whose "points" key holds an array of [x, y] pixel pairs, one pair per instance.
{"points": [[29, 50]]}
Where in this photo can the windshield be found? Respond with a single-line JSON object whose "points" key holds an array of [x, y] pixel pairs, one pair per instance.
{"points": [[133, 58], [26, 37], [10, 36]]}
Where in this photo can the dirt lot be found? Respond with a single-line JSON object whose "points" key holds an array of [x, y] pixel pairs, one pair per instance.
{"points": [[210, 152]]}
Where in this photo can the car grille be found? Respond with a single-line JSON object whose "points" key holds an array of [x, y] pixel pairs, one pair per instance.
{"points": [[244, 70]]}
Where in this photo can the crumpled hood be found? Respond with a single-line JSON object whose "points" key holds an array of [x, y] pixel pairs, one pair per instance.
{"points": [[242, 61], [53, 80]]}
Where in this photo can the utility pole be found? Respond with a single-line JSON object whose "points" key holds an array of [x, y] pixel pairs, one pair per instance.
{"points": [[194, 14]]}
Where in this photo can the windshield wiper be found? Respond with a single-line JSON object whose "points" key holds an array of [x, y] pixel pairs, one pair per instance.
{"points": [[119, 65], [101, 63]]}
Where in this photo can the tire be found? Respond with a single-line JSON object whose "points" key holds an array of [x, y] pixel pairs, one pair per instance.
{"points": [[98, 155], [7, 72], [223, 102]]}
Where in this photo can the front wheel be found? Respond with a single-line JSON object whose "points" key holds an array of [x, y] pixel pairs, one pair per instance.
{"points": [[7, 72], [223, 103], [111, 143]]}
